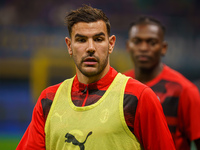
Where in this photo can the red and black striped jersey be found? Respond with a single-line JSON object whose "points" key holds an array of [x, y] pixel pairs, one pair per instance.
{"points": [[142, 112], [181, 102]]}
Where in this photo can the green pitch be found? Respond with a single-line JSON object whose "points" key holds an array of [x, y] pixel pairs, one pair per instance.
{"points": [[8, 143]]}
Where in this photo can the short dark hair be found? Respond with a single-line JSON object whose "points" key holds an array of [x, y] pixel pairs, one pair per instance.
{"points": [[148, 20], [86, 14]]}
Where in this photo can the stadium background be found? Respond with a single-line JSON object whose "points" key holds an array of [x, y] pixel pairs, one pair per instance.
{"points": [[33, 54]]}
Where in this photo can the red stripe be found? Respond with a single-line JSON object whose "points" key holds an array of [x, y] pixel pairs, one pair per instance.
{"points": [[85, 98]]}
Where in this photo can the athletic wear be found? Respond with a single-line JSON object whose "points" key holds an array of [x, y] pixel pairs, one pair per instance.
{"points": [[142, 112], [79, 124], [181, 105]]}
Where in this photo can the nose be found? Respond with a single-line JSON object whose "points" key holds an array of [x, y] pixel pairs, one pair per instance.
{"points": [[91, 46], [144, 46]]}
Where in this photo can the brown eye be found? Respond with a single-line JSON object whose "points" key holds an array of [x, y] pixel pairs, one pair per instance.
{"points": [[81, 40], [152, 42], [98, 39], [136, 41]]}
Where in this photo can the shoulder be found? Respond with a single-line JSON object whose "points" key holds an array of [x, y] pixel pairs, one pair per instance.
{"points": [[134, 87], [129, 73], [49, 92], [45, 100], [175, 76], [47, 96]]}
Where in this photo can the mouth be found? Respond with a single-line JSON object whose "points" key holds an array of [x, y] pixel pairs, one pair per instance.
{"points": [[143, 58], [90, 61]]}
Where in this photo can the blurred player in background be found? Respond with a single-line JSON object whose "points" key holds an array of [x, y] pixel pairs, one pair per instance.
{"points": [[99, 108], [197, 83], [179, 97]]}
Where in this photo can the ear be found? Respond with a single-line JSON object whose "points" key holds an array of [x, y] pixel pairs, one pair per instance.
{"points": [[164, 48], [112, 40], [68, 43]]}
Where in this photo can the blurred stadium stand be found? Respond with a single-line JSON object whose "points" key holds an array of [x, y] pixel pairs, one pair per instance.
{"points": [[33, 54]]}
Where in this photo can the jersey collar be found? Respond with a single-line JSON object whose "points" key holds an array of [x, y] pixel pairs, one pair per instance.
{"points": [[102, 84]]}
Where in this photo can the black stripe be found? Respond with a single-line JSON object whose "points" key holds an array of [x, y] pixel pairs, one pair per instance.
{"points": [[172, 128], [170, 106], [46, 105]]}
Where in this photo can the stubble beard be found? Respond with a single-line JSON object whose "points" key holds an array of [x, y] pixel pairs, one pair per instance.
{"points": [[100, 67]]}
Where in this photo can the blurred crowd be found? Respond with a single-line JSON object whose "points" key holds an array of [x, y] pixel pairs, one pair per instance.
{"points": [[42, 23]]}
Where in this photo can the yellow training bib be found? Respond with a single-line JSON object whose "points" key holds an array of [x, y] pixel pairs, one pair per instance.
{"points": [[100, 126]]}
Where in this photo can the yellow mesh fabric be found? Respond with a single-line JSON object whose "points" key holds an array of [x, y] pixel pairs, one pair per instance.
{"points": [[100, 126]]}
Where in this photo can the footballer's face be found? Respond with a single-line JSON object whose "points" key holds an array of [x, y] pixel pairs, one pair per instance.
{"points": [[146, 45], [90, 47]]}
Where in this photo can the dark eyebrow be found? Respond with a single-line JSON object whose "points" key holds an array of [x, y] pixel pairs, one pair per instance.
{"points": [[79, 35], [99, 34], [151, 38]]}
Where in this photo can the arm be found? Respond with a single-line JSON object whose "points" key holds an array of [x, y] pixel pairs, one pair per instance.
{"points": [[189, 113], [150, 125], [34, 137]]}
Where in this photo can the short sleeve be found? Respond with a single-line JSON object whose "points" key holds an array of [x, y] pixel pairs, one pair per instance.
{"points": [[150, 124], [189, 112]]}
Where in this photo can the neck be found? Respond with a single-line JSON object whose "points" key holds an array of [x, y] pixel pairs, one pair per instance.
{"points": [[146, 75], [91, 79]]}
